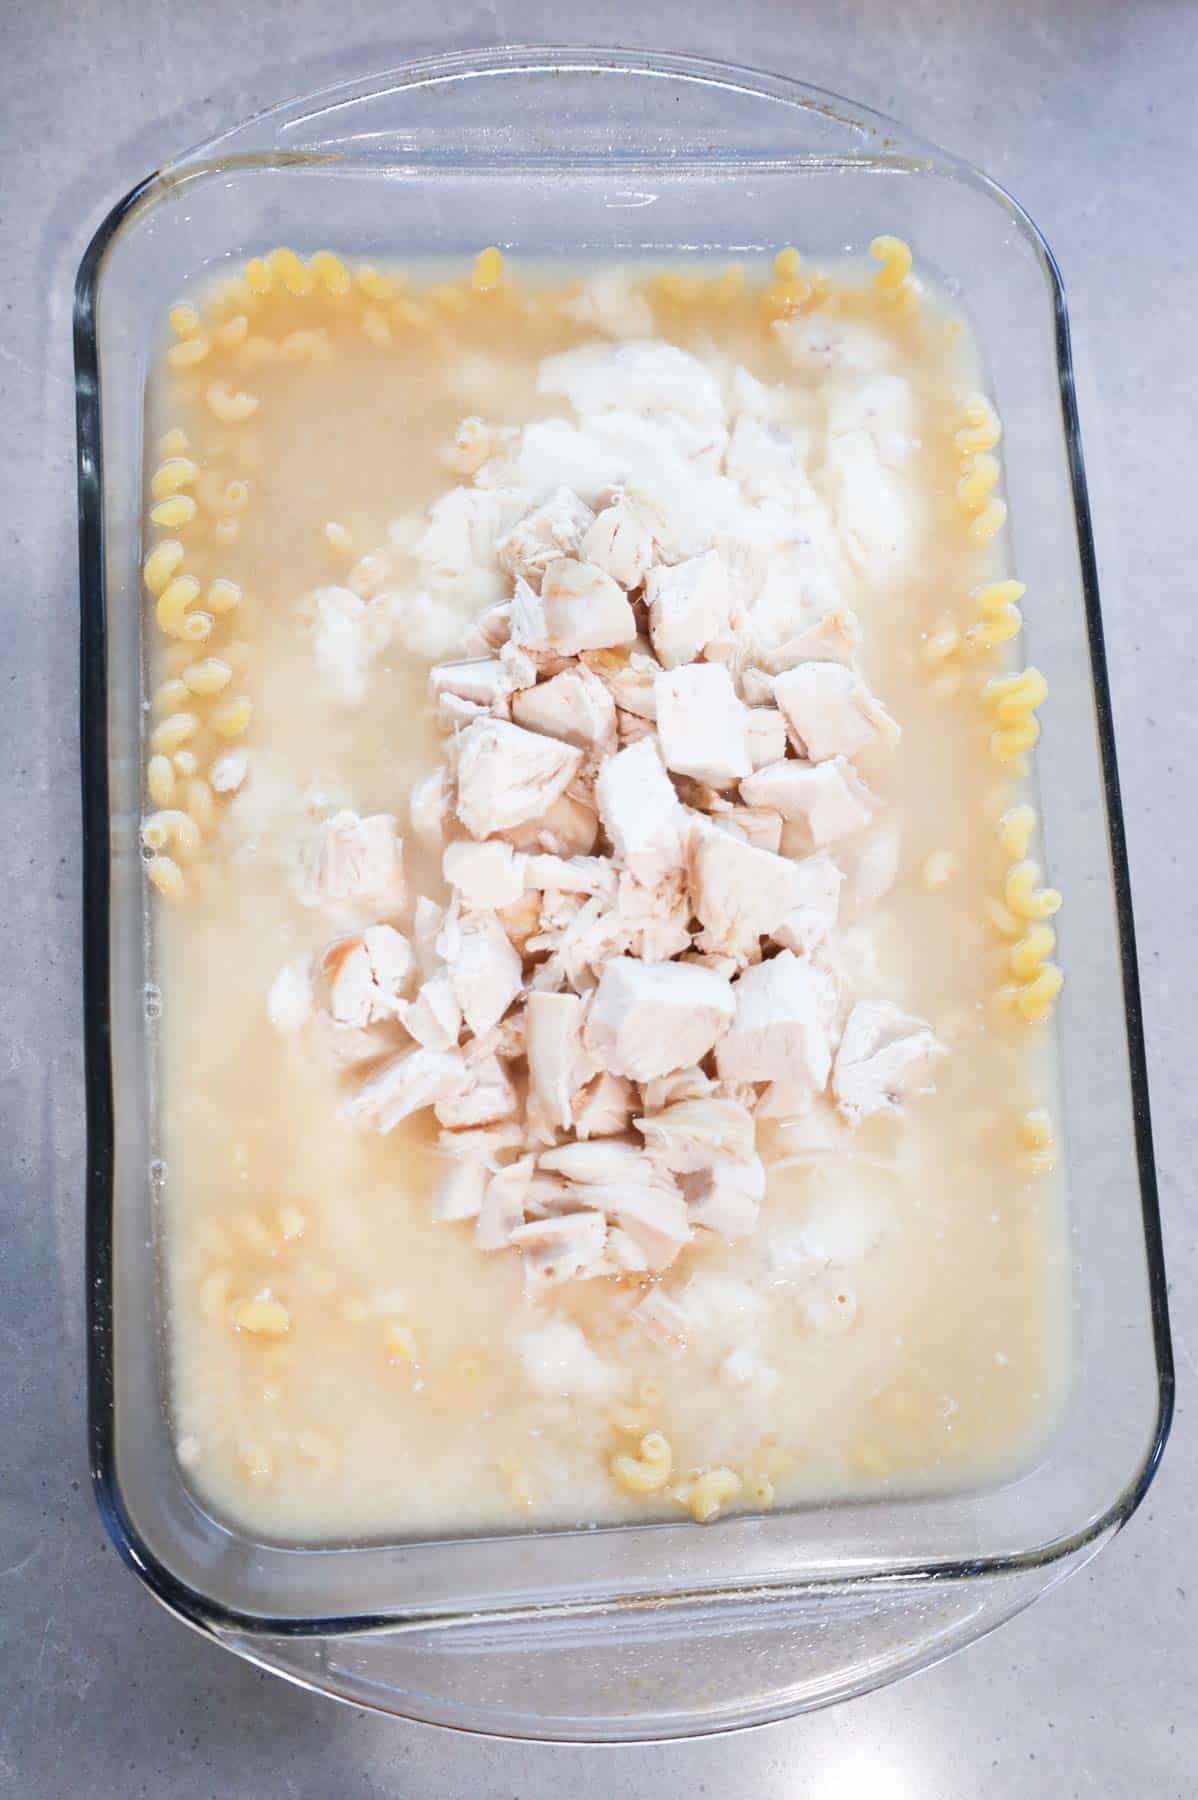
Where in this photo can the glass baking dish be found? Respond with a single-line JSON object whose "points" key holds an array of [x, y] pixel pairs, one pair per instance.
{"points": [[655, 1630]]}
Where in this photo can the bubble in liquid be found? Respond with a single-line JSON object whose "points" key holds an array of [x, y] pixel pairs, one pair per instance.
{"points": [[158, 1172], [153, 1000]]}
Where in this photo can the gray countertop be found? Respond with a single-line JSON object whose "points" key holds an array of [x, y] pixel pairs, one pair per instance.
{"points": [[1085, 112]]}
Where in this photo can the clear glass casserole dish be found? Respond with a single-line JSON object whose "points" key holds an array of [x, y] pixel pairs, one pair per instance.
{"points": [[654, 1630]]}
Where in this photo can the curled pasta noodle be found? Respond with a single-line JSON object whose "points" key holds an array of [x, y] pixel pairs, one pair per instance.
{"points": [[174, 442], [647, 1472], [160, 780], [1038, 1155], [223, 596], [186, 763], [376, 328], [711, 1492], [258, 350], [895, 258], [173, 604], [1034, 1000], [305, 346], [172, 696], [1013, 697], [1031, 951], [171, 829], [331, 273], [172, 475], [164, 873], [233, 332], [208, 676], [373, 283], [1015, 829], [488, 270], [231, 405], [982, 429], [191, 351], [979, 481], [292, 271], [232, 717], [989, 522], [173, 733], [163, 562], [201, 803], [184, 319], [447, 298], [1023, 895], [263, 1316], [176, 510]]}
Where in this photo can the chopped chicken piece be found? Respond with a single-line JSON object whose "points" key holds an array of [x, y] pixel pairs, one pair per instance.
{"points": [[741, 1368], [620, 543], [453, 712], [485, 969], [757, 689], [767, 735], [584, 609], [871, 868], [662, 1319], [464, 529], [429, 809], [829, 799], [831, 712], [568, 828], [883, 1059], [486, 874], [631, 728], [507, 776], [739, 893], [427, 920], [434, 1017], [814, 914], [574, 706], [349, 631], [461, 1190], [628, 676], [404, 1085], [654, 922], [689, 604], [486, 1097], [557, 1063], [366, 975], [355, 858], [648, 1019], [784, 1013], [603, 1108], [484, 1143], [624, 1253], [562, 1249], [603, 1161], [552, 530], [502, 1210], [833, 638], [760, 826], [558, 1362], [683, 1084], [726, 1198], [689, 1135], [570, 874], [521, 920], [480, 679], [610, 303], [702, 724], [641, 813], [289, 1002], [228, 770], [652, 1213], [494, 626]]}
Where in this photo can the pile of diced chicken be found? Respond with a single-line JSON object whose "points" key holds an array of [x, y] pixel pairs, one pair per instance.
{"points": [[646, 806]]}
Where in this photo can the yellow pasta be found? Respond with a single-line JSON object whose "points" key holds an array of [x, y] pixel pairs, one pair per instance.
{"points": [[711, 1492], [1008, 744], [291, 270], [233, 332], [1002, 919], [164, 873], [222, 596], [979, 481], [376, 328], [1034, 1001], [186, 763], [410, 313], [939, 869], [208, 676], [943, 641], [190, 352], [1038, 1155], [787, 264], [331, 273], [399, 1341], [895, 258], [184, 320], [1024, 896], [231, 718], [1015, 830], [373, 283], [231, 405], [171, 829], [228, 530], [305, 346], [646, 1473], [174, 442], [164, 561], [258, 350], [176, 510], [982, 429], [263, 1316], [1031, 951], [1013, 697], [258, 277], [160, 780], [338, 538], [730, 286], [989, 522], [488, 270], [201, 803], [173, 732], [171, 476], [173, 604], [447, 298], [172, 696]]}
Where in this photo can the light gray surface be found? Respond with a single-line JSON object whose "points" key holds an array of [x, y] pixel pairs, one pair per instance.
{"points": [[1085, 112]]}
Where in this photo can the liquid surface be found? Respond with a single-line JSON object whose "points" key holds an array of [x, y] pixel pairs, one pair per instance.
{"points": [[896, 1323]]}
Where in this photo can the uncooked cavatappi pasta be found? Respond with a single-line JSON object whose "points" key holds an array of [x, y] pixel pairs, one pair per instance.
{"points": [[605, 954]]}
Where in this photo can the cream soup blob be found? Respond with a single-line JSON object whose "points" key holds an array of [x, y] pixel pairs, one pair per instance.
{"points": [[604, 1069]]}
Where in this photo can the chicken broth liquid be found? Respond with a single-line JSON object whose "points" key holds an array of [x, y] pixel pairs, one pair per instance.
{"points": [[343, 1365]]}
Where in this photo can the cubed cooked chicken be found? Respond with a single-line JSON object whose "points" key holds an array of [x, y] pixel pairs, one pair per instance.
{"points": [[584, 609], [506, 775], [647, 1019], [828, 799], [641, 812], [690, 603], [831, 712], [884, 1057], [703, 725], [783, 1025], [548, 532]]}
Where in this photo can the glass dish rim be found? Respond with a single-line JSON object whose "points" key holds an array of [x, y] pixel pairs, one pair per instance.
{"points": [[187, 1602]]}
